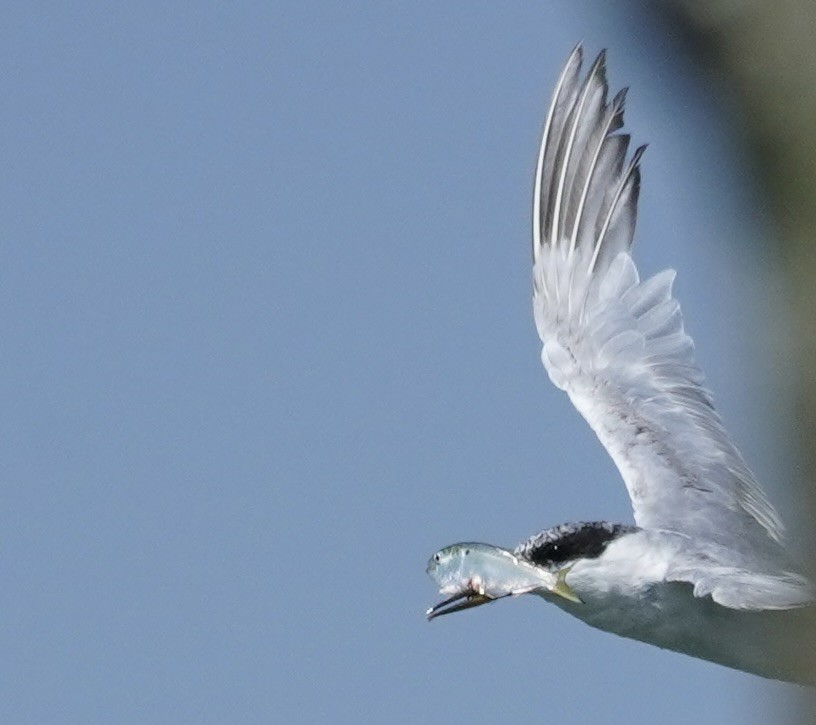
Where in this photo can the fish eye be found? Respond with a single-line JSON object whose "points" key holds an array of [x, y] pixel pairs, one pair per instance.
{"points": [[467, 551], [437, 558]]}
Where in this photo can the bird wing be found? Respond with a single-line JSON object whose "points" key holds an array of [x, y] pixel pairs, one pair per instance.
{"points": [[739, 588], [616, 344]]}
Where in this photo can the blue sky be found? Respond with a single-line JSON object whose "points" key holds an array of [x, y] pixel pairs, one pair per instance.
{"points": [[267, 344]]}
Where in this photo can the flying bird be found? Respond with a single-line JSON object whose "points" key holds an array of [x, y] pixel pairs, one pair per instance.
{"points": [[703, 570]]}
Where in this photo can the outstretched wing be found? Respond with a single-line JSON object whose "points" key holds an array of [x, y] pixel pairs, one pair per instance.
{"points": [[616, 344]]}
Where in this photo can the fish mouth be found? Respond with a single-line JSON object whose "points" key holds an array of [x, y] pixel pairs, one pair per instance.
{"points": [[463, 600]]}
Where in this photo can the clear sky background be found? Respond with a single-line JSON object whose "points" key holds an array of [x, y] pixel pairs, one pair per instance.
{"points": [[267, 345]]}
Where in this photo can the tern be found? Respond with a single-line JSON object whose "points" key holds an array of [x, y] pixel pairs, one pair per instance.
{"points": [[703, 570]]}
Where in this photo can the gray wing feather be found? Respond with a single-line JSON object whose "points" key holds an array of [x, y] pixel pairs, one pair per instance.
{"points": [[737, 581], [745, 589], [616, 344]]}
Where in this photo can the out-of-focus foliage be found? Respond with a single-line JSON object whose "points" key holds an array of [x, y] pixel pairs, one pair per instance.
{"points": [[767, 53]]}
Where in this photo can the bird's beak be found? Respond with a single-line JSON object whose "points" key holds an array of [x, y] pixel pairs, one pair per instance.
{"points": [[458, 602], [562, 589]]}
